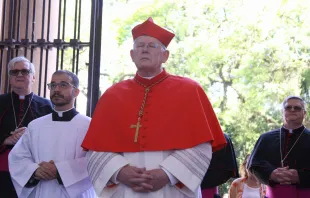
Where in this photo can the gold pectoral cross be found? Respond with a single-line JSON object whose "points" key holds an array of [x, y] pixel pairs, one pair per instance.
{"points": [[137, 127]]}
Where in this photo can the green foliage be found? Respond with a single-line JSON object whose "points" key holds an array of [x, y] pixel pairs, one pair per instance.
{"points": [[305, 87], [305, 84]]}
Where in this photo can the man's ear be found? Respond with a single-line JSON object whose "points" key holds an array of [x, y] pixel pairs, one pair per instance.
{"points": [[132, 55], [166, 56], [33, 79], [76, 92]]}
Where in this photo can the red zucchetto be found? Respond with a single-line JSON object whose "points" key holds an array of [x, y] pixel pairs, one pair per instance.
{"points": [[149, 28]]}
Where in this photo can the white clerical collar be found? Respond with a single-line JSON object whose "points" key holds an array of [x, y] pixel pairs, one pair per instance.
{"points": [[148, 77], [60, 113], [22, 97], [291, 130]]}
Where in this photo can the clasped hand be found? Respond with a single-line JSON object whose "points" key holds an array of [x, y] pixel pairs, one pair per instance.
{"points": [[14, 137], [285, 176], [46, 171], [141, 180]]}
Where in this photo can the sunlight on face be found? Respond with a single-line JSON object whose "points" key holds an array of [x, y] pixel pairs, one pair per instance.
{"points": [[63, 97], [21, 82], [294, 111], [148, 53]]}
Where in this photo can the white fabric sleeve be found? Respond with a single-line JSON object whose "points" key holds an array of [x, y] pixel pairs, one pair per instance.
{"points": [[74, 176], [22, 165], [114, 176], [173, 179], [102, 167], [192, 165]]}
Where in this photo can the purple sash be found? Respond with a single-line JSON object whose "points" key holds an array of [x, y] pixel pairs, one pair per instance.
{"points": [[209, 192], [287, 191]]}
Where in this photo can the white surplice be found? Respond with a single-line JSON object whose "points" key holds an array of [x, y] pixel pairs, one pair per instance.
{"points": [[60, 141], [187, 166]]}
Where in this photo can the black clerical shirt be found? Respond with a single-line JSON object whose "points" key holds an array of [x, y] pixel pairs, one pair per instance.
{"points": [[65, 116], [266, 155], [39, 107], [223, 166]]}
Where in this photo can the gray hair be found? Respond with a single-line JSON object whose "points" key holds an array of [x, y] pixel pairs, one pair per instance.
{"points": [[21, 59], [303, 103]]}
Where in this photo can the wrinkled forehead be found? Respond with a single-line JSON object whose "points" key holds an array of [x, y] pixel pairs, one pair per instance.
{"points": [[146, 39], [57, 78], [294, 102], [21, 65]]}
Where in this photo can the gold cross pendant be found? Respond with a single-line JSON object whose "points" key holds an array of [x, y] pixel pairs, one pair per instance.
{"points": [[137, 127]]}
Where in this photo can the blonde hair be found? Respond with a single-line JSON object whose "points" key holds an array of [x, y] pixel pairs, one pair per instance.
{"points": [[243, 169]]}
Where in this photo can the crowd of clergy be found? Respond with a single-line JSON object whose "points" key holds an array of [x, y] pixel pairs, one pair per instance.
{"points": [[153, 136]]}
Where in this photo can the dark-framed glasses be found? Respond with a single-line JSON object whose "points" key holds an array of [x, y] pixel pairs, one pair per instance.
{"points": [[16, 72], [61, 85], [293, 108]]}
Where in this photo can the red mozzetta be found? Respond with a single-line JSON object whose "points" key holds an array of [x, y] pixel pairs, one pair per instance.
{"points": [[177, 115]]}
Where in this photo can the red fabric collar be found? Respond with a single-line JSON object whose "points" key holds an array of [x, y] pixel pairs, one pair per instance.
{"points": [[148, 82]]}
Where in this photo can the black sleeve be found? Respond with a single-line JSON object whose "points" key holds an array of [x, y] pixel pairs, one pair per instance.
{"points": [[215, 178], [233, 166], [259, 164], [4, 131], [303, 161], [223, 166], [32, 182], [59, 179], [304, 178]]}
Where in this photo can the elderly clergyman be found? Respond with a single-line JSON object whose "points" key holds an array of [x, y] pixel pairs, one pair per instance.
{"points": [[152, 136], [280, 158]]}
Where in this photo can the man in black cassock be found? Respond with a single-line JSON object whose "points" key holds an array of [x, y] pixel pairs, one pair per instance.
{"points": [[223, 166], [17, 109], [280, 158]]}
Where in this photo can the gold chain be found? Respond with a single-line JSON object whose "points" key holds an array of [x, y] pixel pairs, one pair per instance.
{"points": [[141, 111], [147, 90], [17, 126]]}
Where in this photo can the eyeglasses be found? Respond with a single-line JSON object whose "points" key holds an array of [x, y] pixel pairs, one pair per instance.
{"points": [[148, 45], [61, 85], [293, 108], [16, 72]]}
